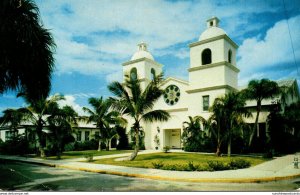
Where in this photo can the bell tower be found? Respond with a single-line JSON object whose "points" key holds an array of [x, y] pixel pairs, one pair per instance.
{"points": [[213, 70], [142, 65]]}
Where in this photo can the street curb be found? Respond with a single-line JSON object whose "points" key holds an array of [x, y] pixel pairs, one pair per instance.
{"points": [[203, 180]]}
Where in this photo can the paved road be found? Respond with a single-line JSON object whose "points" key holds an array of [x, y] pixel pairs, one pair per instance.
{"points": [[28, 177]]}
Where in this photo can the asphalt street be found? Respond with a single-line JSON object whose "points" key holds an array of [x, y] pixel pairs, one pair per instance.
{"points": [[29, 177]]}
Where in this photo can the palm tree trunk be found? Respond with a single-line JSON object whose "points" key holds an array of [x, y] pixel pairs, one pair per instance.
{"points": [[256, 123], [41, 147], [229, 146], [58, 153], [107, 145], [39, 132], [137, 144], [218, 152], [42, 151], [229, 139], [99, 145]]}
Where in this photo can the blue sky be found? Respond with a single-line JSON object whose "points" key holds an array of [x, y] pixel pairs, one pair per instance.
{"points": [[94, 37]]}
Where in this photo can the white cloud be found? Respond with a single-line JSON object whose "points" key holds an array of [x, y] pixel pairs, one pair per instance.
{"points": [[70, 101], [273, 50], [113, 28], [115, 76], [243, 81], [83, 95]]}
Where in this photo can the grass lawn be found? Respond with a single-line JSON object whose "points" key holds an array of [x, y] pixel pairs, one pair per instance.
{"points": [[169, 159], [81, 154]]}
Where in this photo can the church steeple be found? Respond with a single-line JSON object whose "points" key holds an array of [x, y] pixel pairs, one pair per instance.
{"points": [[142, 52], [142, 65], [142, 46], [213, 22], [213, 60]]}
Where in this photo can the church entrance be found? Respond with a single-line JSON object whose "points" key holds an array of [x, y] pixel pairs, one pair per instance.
{"points": [[172, 138]]}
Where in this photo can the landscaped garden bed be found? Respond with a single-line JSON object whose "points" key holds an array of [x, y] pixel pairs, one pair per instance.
{"points": [[186, 162]]}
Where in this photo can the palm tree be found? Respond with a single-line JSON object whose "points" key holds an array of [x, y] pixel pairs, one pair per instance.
{"points": [[292, 115], [61, 123], [227, 117], [105, 118], [259, 90], [37, 113], [111, 133], [26, 49], [216, 123], [12, 118], [138, 104], [193, 137], [235, 110], [287, 91]]}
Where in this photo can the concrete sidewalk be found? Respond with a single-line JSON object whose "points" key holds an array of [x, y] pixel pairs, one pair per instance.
{"points": [[278, 169]]}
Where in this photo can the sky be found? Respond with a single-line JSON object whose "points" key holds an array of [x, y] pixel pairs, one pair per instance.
{"points": [[94, 38]]}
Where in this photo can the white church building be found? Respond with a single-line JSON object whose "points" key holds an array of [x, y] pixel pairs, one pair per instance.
{"points": [[213, 72]]}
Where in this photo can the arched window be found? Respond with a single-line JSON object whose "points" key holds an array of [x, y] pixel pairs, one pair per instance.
{"points": [[152, 74], [229, 56], [206, 56], [133, 74]]}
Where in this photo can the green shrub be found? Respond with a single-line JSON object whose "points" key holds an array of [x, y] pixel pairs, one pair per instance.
{"points": [[204, 168], [239, 164], [157, 165], [174, 167], [69, 147], [211, 166], [166, 149], [86, 145], [123, 139], [16, 146], [217, 166], [191, 166]]}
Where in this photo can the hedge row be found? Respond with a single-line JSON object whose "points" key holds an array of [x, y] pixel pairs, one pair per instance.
{"points": [[210, 166]]}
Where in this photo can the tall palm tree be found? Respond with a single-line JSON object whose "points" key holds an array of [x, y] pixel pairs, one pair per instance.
{"points": [[138, 104], [235, 110], [61, 123], [259, 90], [216, 123], [105, 119], [227, 117], [193, 136], [38, 112], [26, 49]]}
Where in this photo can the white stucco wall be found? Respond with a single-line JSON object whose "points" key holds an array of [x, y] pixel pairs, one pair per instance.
{"points": [[195, 103], [231, 77], [227, 47], [209, 77], [182, 85], [217, 54]]}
